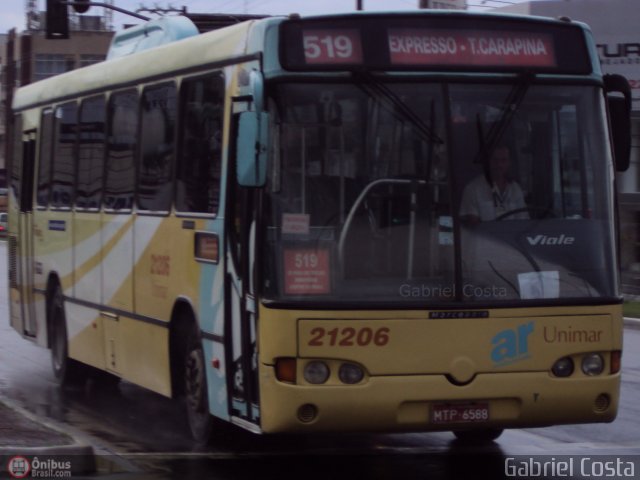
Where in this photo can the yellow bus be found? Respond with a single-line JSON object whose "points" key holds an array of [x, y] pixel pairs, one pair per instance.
{"points": [[381, 222]]}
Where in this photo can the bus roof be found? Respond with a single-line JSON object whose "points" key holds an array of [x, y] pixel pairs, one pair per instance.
{"points": [[209, 50], [183, 56]]}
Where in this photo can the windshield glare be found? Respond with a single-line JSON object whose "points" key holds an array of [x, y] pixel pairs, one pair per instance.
{"points": [[407, 192]]}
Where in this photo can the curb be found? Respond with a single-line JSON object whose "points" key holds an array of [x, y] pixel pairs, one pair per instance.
{"points": [[81, 456], [632, 322]]}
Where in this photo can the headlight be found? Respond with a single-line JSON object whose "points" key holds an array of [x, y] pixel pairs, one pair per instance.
{"points": [[316, 372], [563, 367], [350, 373], [593, 364]]}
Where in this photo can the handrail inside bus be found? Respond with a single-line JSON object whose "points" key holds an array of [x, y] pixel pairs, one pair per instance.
{"points": [[358, 202]]}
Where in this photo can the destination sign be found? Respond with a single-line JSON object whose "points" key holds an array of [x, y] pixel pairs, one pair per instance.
{"points": [[423, 42], [446, 47]]}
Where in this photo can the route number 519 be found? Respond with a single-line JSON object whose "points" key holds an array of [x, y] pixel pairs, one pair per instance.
{"points": [[331, 47]]}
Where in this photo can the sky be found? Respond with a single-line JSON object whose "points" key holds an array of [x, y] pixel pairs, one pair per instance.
{"points": [[12, 11]]}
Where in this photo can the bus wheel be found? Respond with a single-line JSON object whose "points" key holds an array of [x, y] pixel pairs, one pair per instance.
{"points": [[66, 370], [197, 402], [484, 435]]}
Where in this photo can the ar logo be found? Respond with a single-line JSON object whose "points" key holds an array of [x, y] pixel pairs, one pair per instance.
{"points": [[511, 345]]}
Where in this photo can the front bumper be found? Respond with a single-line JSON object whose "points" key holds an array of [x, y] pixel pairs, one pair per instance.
{"points": [[404, 403]]}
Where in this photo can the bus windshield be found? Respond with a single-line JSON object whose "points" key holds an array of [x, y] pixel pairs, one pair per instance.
{"points": [[405, 193]]}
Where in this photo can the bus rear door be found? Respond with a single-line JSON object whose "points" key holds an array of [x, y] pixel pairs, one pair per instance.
{"points": [[21, 245]]}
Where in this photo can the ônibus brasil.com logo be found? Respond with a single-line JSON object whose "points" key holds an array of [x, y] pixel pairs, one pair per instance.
{"points": [[18, 467], [21, 467]]}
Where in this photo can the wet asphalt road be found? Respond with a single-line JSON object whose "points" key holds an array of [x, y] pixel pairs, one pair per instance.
{"points": [[147, 432]]}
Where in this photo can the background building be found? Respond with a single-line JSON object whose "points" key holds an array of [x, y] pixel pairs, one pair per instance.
{"points": [[29, 56]]}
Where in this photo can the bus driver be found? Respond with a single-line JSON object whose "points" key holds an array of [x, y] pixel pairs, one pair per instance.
{"points": [[494, 193]]}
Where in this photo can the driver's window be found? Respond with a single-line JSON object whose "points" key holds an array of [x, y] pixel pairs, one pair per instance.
{"points": [[492, 151]]}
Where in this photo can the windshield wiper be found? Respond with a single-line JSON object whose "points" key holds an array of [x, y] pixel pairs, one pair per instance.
{"points": [[510, 107], [377, 89]]}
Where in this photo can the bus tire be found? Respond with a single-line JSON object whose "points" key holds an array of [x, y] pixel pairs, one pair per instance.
{"points": [[66, 370], [195, 390], [484, 435]]}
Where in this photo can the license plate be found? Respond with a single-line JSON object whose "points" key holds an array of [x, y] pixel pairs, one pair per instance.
{"points": [[459, 413]]}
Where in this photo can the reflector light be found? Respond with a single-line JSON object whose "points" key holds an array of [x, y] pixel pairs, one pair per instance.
{"points": [[616, 361], [286, 369]]}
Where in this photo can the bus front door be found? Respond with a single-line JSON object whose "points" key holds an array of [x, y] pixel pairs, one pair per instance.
{"points": [[240, 311]]}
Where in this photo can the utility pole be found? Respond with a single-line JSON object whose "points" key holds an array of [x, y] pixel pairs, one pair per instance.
{"points": [[359, 5]]}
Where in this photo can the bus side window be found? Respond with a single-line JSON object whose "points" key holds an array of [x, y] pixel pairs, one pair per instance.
{"points": [[157, 140], [200, 144], [91, 137], [63, 169], [121, 150], [44, 162]]}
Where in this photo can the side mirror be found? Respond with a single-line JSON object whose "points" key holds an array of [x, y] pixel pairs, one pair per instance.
{"points": [[252, 149], [619, 100]]}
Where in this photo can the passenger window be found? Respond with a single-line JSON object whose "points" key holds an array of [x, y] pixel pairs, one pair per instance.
{"points": [[200, 144], [63, 174], [155, 173], [121, 150], [44, 165], [91, 141]]}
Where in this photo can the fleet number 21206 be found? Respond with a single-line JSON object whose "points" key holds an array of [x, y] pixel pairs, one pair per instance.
{"points": [[349, 337]]}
